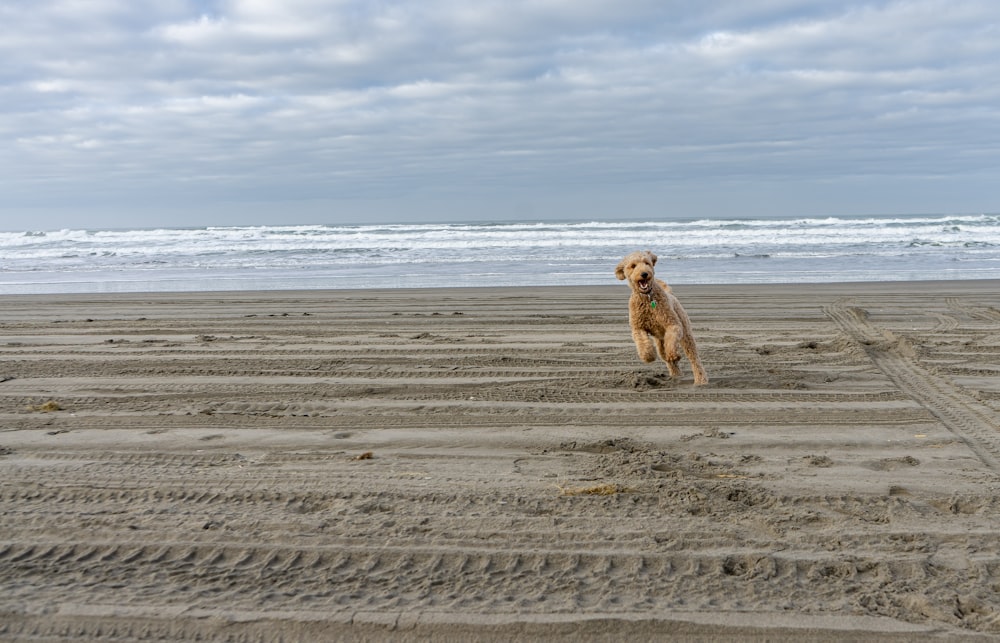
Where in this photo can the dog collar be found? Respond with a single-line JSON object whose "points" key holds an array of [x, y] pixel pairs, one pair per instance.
{"points": [[652, 302]]}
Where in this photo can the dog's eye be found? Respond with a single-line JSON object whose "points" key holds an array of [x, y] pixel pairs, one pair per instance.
{"points": [[631, 266]]}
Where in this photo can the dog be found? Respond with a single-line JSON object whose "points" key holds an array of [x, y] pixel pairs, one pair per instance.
{"points": [[653, 311]]}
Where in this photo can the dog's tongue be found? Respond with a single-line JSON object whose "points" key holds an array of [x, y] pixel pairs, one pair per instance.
{"points": [[643, 284]]}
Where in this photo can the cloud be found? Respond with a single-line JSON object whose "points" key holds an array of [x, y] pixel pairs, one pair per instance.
{"points": [[112, 103]]}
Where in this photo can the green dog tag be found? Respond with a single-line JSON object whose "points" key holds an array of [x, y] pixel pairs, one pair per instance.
{"points": [[652, 304]]}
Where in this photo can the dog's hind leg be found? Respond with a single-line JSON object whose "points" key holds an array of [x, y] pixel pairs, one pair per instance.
{"points": [[691, 350]]}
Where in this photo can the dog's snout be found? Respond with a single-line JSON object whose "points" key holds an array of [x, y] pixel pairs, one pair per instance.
{"points": [[645, 275]]}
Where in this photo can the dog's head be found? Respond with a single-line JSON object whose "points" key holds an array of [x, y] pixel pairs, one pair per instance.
{"points": [[637, 268]]}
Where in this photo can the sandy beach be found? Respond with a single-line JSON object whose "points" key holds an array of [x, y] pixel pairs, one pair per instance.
{"points": [[496, 463]]}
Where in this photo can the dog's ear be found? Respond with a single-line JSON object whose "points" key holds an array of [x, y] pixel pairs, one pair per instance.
{"points": [[620, 270], [652, 257]]}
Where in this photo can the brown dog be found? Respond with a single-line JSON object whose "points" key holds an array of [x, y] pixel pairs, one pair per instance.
{"points": [[654, 311]]}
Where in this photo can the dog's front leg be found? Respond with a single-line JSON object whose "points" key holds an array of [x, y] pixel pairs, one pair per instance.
{"points": [[667, 347], [645, 347]]}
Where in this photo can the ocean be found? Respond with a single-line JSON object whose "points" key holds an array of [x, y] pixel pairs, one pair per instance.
{"points": [[702, 251]]}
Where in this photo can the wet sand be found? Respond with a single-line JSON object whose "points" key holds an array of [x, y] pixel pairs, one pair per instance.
{"points": [[489, 464]]}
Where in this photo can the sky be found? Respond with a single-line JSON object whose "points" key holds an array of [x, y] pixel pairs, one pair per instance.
{"points": [[117, 113]]}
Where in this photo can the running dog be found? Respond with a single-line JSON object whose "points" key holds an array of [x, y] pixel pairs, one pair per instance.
{"points": [[656, 316]]}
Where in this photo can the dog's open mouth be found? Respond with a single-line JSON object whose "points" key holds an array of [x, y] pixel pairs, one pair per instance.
{"points": [[644, 285]]}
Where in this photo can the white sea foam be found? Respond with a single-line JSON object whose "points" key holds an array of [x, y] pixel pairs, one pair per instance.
{"points": [[531, 253]]}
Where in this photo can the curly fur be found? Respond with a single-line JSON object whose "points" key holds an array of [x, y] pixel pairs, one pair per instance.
{"points": [[660, 326]]}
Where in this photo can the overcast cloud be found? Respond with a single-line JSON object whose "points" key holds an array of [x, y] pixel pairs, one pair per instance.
{"points": [[181, 112]]}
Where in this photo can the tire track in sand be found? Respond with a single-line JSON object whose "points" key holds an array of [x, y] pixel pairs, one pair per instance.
{"points": [[241, 576], [975, 312], [960, 413]]}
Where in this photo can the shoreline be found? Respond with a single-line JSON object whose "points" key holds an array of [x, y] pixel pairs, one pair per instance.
{"points": [[489, 462], [936, 283], [832, 286]]}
